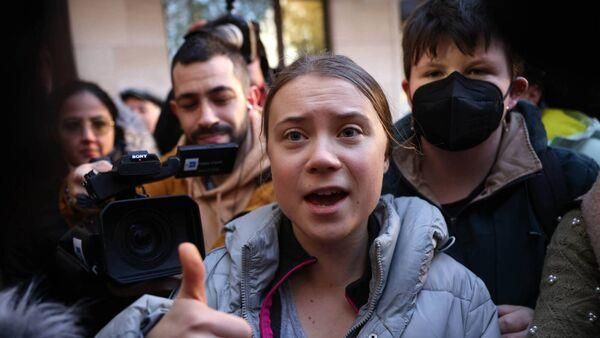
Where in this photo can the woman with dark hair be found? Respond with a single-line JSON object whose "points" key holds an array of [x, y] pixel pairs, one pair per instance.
{"points": [[86, 118], [90, 126]]}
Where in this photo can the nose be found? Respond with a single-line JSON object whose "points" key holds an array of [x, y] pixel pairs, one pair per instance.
{"points": [[87, 132], [323, 158], [207, 116]]}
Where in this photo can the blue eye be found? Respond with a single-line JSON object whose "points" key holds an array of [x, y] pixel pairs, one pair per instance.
{"points": [[349, 132], [294, 135]]}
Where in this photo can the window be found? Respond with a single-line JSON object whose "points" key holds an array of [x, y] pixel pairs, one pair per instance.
{"points": [[287, 27], [303, 26]]}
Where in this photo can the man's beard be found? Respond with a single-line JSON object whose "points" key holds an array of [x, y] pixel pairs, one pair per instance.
{"points": [[221, 129]]}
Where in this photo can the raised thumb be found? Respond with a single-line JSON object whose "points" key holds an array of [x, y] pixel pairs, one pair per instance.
{"points": [[192, 283]]}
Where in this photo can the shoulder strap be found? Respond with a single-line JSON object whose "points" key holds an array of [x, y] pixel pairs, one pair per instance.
{"points": [[548, 192]]}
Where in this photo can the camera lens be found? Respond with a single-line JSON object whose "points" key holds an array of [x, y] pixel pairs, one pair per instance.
{"points": [[144, 238]]}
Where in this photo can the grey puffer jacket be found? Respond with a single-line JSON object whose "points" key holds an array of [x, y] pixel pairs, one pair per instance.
{"points": [[415, 290]]}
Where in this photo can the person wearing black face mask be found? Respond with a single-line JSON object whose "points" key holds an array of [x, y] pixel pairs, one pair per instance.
{"points": [[457, 113], [481, 156]]}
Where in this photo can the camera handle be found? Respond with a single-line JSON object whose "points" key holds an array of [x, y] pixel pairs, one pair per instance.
{"points": [[106, 185]]}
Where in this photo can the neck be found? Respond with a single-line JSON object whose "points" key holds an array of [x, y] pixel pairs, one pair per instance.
{"points": [[453, 175], [337, 264]]}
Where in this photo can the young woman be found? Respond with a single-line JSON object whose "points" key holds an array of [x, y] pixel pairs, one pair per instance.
{"points": [[332, 258]]}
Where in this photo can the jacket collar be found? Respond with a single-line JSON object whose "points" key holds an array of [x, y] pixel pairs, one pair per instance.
{"points": [[516, 159], [292, 254], [408, 237]]}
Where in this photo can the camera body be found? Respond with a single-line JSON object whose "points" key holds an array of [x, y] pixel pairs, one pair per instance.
{"points": [[134, 238], [139, 237]]}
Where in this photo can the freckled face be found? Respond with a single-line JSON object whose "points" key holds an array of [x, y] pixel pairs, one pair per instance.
{"points": [[327, 149]]}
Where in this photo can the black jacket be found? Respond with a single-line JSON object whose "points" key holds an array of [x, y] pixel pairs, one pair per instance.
{"points": [[499, 235]]}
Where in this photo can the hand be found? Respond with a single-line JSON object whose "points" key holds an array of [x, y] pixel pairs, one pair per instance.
{"points": [[74, 183], [514, 320], [190, 316]]}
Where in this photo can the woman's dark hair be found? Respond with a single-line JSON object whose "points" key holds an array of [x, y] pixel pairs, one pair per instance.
{"points": [[338, 67], [61, 95]]}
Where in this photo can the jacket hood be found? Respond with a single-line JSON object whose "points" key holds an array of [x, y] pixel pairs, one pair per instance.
{"points": [[535, 126], [411, 230]]}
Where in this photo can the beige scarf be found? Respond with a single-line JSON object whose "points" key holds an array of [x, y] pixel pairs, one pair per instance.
{"points": [[220, 204]]}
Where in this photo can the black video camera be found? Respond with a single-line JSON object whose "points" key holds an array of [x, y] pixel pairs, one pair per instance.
{"points": [[135, 237]]}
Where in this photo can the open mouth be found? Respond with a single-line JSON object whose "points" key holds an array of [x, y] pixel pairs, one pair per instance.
{"points": [[326, 197]]}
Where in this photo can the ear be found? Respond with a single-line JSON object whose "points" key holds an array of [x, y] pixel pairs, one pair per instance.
{"points": [[386, 164], [174, 107], [253, 95], [406, 89], [517, 89]]}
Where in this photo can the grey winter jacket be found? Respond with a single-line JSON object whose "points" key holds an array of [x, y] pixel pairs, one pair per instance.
{"points": [[415, 290]]}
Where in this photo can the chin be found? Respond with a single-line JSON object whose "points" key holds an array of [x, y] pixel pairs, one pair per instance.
{"points": [[83, 161], [330, 233]]}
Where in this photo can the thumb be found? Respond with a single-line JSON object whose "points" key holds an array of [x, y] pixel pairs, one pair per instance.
{"points": [[505, 309], [192, 283]]}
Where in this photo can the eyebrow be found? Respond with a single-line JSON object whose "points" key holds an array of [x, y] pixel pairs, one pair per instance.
{"points": [[91, 118], [481, 61], [220, 89], [342, 116], [433, 64], [215, 90]]}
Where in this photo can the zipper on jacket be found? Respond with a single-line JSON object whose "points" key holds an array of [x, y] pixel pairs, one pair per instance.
{"points": [[376, 294], [244, 286]]}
